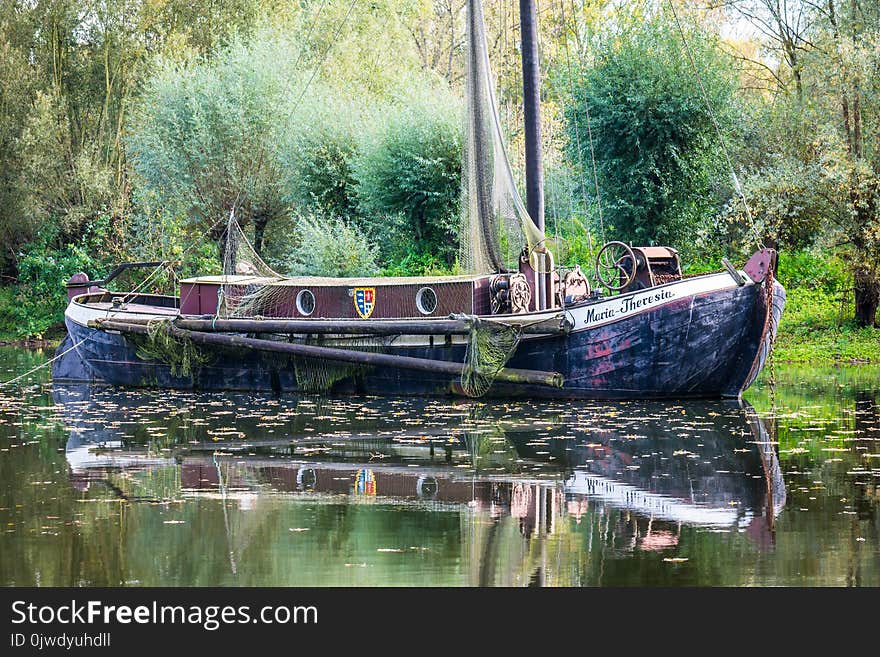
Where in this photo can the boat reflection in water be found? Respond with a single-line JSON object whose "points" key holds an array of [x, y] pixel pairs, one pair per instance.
{"points": [[638, 473]]}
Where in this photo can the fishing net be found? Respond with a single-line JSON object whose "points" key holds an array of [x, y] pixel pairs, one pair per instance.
{"points": [[495, 225], [490, 346], [181, 354], [248, 288], [320, 375]]}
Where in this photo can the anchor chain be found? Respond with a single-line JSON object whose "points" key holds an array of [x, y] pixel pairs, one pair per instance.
{"points": [[771, 356]]}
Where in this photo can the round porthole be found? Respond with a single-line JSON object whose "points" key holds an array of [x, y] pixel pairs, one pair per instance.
{"points": [[306, 479], [427, 487], [305, 302], [426, 301]]}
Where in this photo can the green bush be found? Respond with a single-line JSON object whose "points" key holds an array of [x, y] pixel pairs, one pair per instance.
{"points": [[7, 323], [803, 269], [417, 264], [409, 166], [317, 150], [40, 296], [658, 156], [328, 246], [201, 139], [573, 245]]}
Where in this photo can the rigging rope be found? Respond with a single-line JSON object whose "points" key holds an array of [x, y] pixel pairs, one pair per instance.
{"points": [[296, 104], [308, 36], [592, 146], [490, 197], [323, 59], [771, 354], [723, 143]]}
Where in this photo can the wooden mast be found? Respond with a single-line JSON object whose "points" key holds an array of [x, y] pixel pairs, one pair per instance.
{"points": [[532, 112]]}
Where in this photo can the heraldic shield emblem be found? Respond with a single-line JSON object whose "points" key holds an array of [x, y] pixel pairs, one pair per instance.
{"points": [[364, 301]]}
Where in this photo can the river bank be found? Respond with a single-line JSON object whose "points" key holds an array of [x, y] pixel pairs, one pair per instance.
{"points": [[829, 346]]}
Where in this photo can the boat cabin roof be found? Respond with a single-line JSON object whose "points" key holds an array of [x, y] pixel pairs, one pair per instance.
{"points": [[657, 251], [319, 281]]}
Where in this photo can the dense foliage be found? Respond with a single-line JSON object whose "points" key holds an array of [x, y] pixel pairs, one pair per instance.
{"points": [[329, 246], [658, 154], [130, 130], [409, 167], [201, 141]]}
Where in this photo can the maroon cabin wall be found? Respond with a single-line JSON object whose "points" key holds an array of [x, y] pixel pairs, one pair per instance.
{"points": [[525, 268], [189, 299], [391, 301], [387, 484], [482, 298], [75, 291], [198, 298]]}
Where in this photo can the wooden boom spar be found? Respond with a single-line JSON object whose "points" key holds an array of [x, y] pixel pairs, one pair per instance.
{"points": [[510, 375]]}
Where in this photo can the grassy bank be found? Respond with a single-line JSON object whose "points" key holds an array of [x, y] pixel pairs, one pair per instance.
{"points": [[817, 325], [845, 345], [813, 331]]}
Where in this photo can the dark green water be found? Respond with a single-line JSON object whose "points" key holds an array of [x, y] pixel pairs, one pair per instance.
{"points": [[107, 487]]}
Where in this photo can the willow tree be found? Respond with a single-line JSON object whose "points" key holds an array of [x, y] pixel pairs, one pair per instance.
{"points": [[203, 137], [853, 34]]}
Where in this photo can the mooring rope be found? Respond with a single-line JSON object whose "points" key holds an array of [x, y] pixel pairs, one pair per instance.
{"points": [[771, 381], [42, 365], [112, 313]]}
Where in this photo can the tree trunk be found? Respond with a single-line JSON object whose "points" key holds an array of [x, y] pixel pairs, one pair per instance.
{"points": [[867, 295], [219, 236], [261, 220]]}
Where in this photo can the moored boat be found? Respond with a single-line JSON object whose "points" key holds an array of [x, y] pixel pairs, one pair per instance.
{"points": [[705, 336], [517, 325]]}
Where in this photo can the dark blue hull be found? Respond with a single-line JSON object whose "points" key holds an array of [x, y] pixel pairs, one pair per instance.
{"points": [[709, 345]]}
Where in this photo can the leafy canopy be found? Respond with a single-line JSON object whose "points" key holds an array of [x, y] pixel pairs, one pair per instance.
{"points": [[658, 156]]}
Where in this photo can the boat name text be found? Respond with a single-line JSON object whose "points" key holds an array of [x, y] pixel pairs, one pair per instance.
{"points": [[627, 305]]}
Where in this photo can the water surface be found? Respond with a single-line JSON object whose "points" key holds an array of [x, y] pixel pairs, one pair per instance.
{"points": [[103, 486]]}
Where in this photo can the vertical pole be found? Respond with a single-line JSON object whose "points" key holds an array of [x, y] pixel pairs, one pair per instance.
{"points": [[532, 111]]}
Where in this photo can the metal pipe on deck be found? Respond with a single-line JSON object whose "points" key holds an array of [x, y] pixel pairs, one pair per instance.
{"points": [[554, 325]]}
